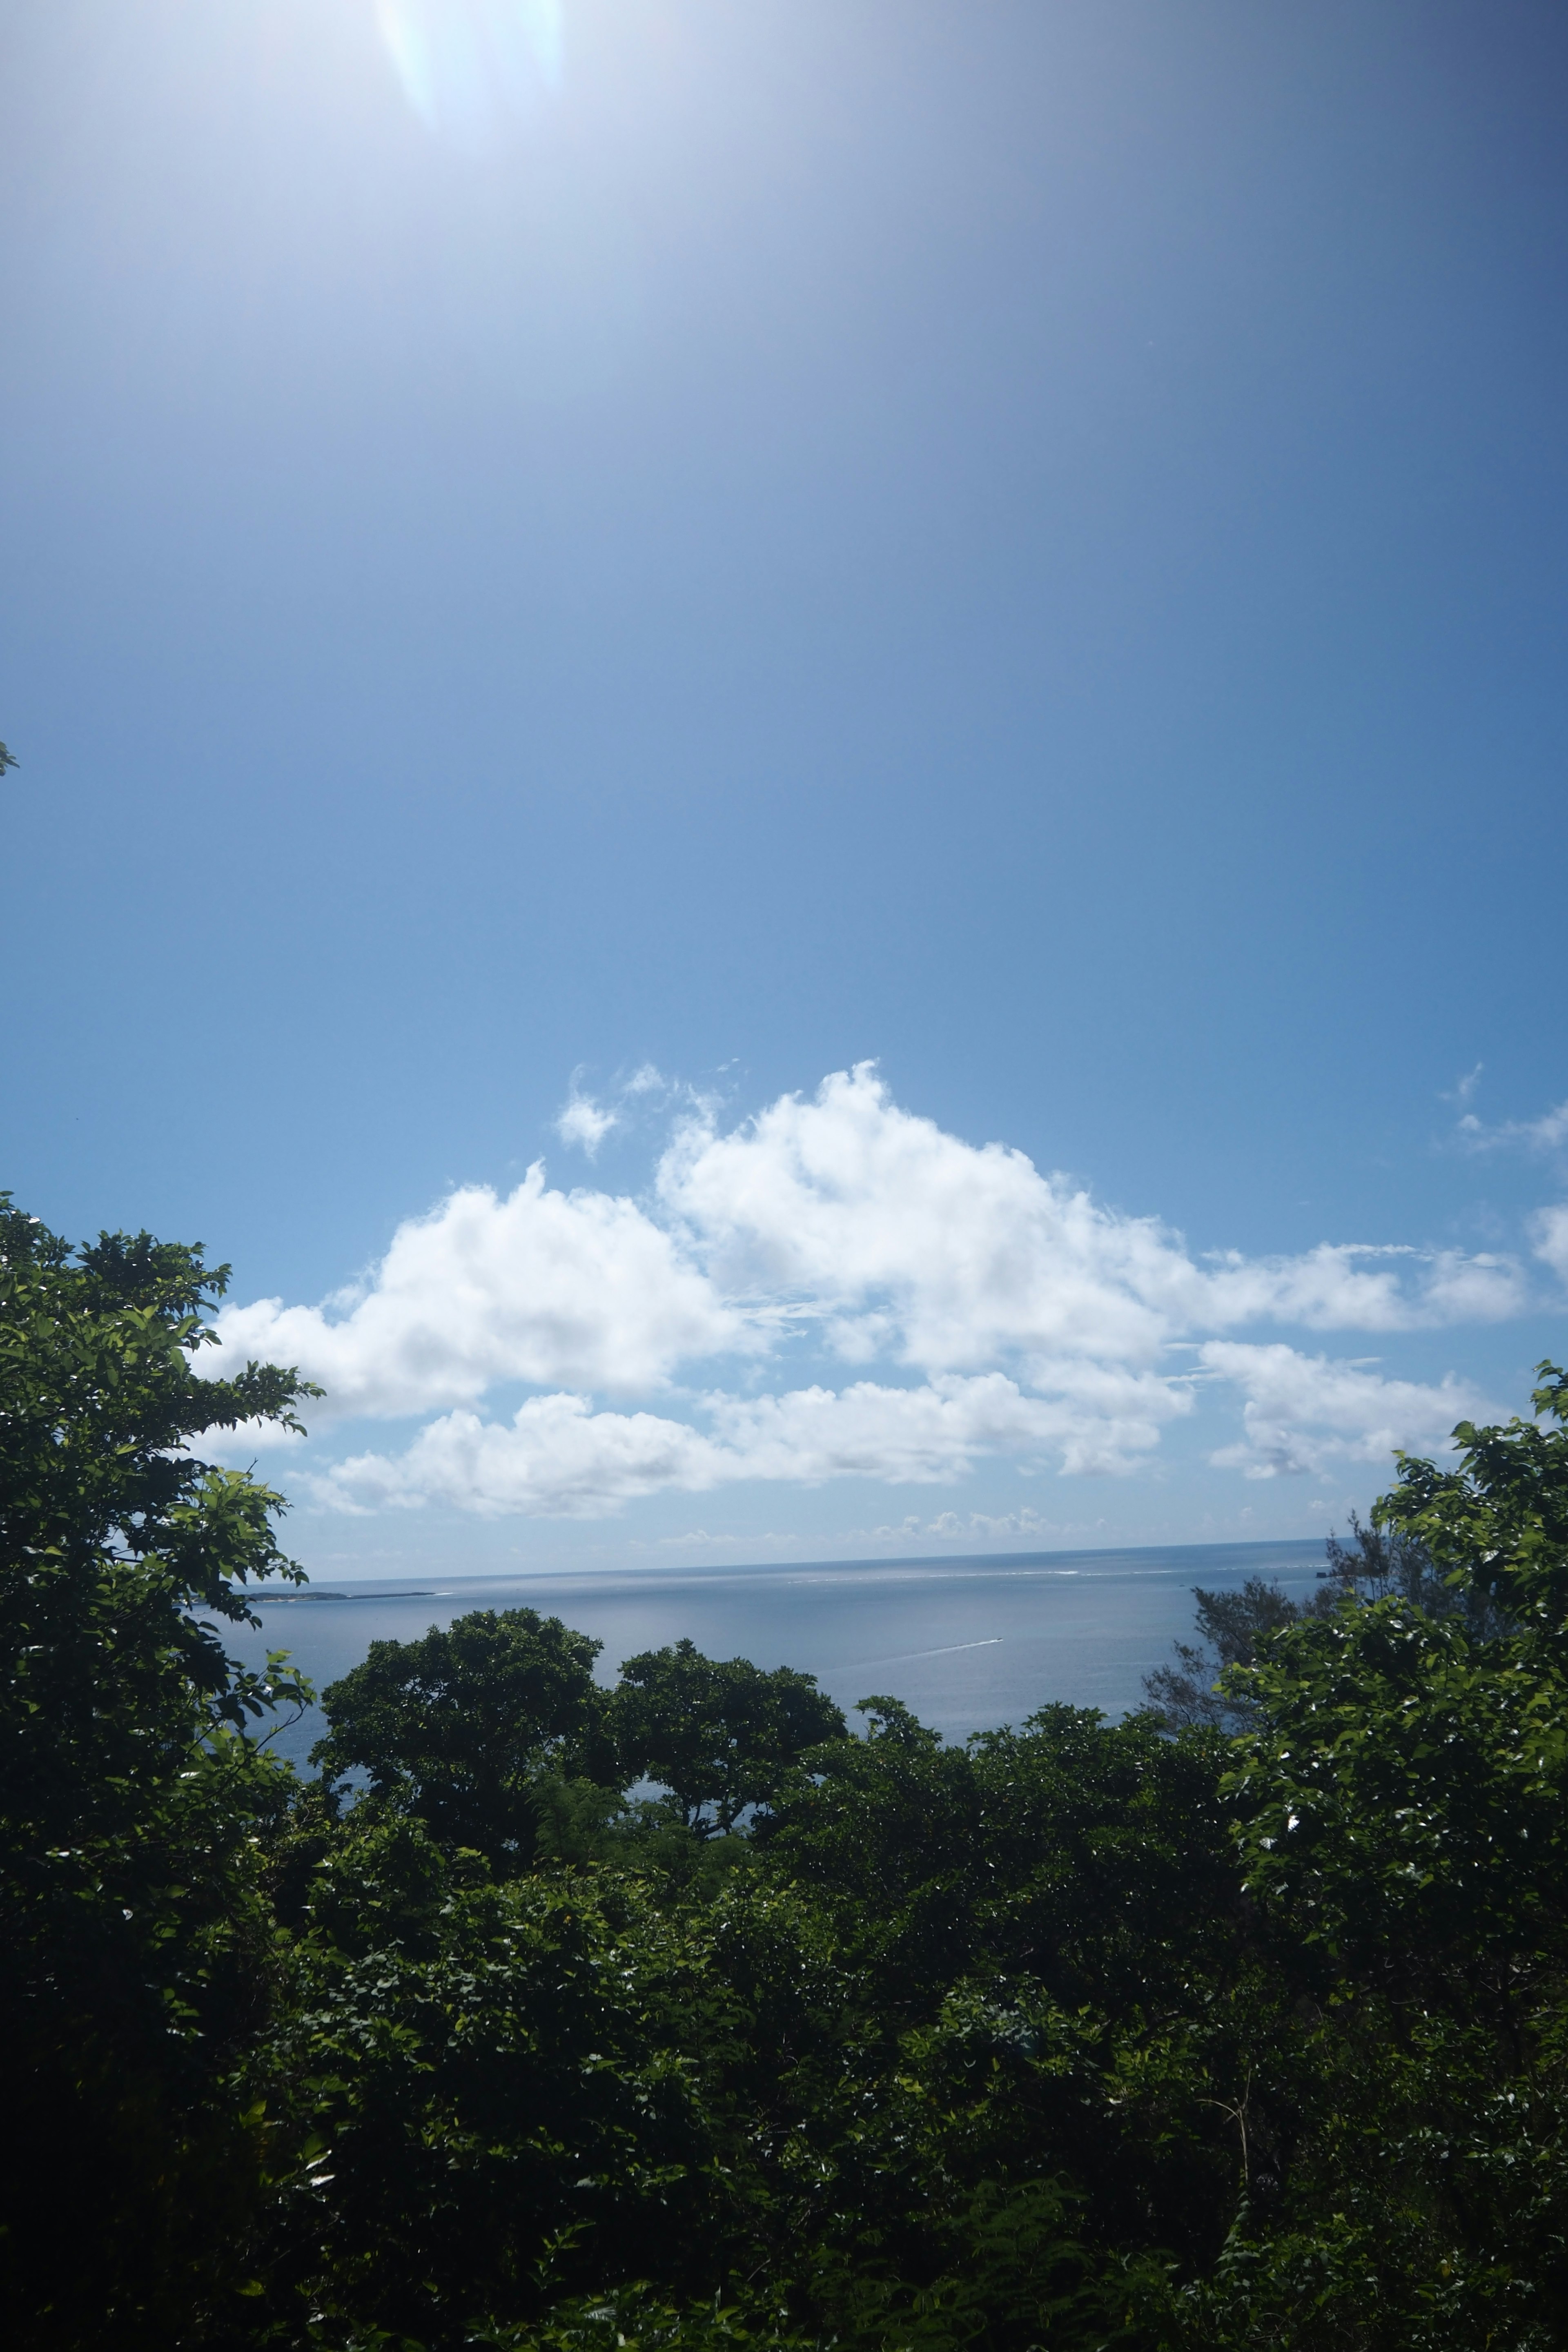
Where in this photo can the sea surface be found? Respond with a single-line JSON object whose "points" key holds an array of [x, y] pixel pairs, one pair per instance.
{"points": [[968, 1644]]}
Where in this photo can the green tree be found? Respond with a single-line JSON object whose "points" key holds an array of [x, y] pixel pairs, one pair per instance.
{"points": [[721, 1736], [1232, 1628], [1499, 1523], [1377, 1563], [1404, 1796], [134, 1949], [1401, 1808], [1041, 1937], [459, 1726], [493, 2095]]}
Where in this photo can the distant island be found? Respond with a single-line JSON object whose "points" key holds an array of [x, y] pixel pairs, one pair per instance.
{"points": [[286, 1600]]}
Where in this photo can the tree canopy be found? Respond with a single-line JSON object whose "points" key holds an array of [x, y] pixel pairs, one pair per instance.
{"points": [[721, 1736], [458, 1727]]}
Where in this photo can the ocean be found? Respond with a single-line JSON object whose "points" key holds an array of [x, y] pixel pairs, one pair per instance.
{"points": [[969, 1643]]}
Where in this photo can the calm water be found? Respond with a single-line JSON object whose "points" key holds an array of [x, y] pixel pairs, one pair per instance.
{"points": [[967, 1643]]}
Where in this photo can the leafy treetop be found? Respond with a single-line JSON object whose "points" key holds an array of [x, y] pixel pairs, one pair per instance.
{"points": [[1500, 1521], [720, 1733], [458, 1727], [113, 1534]]}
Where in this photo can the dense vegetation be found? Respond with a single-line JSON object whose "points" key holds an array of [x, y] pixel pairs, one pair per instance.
{"points": [[1241, 2023]]}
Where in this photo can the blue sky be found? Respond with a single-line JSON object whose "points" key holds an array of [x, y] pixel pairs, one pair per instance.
{"points": [[655, 557]]}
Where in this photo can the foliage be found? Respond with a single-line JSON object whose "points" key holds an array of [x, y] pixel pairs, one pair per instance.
{"points": [[458, 1727], [1378, 1563], [133, 1943], [1400, 1822], [720, 1736], [496, 2090], [1499, 1523], [1232, 1628]]}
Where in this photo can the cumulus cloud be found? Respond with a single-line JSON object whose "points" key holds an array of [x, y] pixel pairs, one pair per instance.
{"points": [[558, 1456], [1304, 1412], [584, 1122], [578, 1288], [1020, 1317], [908, 1241]]}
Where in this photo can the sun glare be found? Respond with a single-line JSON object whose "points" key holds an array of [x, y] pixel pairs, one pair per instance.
{"points": [[466, 66]]}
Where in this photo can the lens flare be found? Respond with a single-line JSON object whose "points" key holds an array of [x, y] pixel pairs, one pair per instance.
{"points": [[467, 66]]}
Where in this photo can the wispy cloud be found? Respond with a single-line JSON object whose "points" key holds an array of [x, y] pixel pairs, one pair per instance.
{"points": [[913, 1533], [585, 1119], [1547, 1133], [1549, 1232]]}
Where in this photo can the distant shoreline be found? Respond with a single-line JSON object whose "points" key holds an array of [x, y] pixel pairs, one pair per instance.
{"points": [[1093, 1558]]}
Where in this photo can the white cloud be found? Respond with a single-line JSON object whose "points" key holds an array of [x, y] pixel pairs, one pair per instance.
{"points": [[1549, 1231], [1303, 1412], [936, 1432], [1547, 1133], [948, 1526], [558, 1456], [575, 1289], [908, 1241], [555, 1457], [1036, 1322], [1341, 1287], [582, 1121], [992, 1525], [1479, 1289]]}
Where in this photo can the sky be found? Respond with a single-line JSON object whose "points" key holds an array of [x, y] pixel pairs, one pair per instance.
{"points": [[802, 761]]}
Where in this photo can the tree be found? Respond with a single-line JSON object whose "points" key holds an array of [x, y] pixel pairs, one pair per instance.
{"points": [[458, 1727], [721, 1736], [1021, 1923], [496, 2096], [1232, 1627], [133, 1942], [1401, 1808], [1387, 1560], [1377, 1563], [1405, 1788], [1499, 1524]]}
